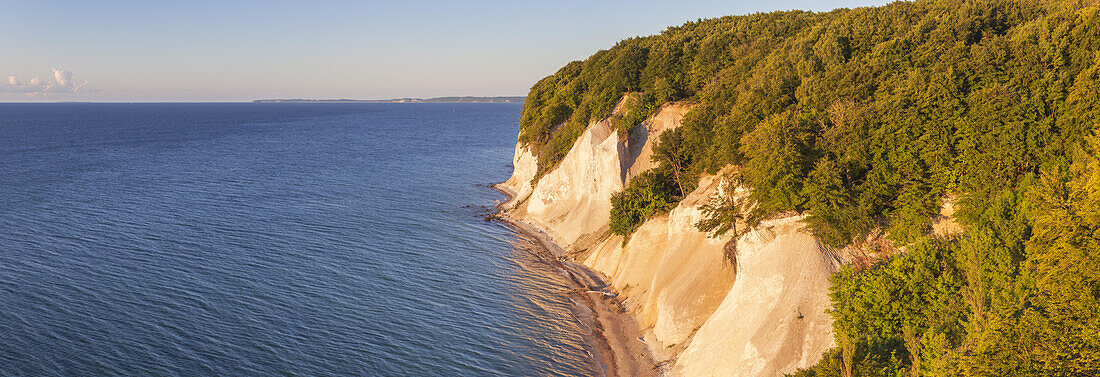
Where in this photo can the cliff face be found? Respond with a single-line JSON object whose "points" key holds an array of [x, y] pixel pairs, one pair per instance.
{"points": [[762, 316], [772, 320]]}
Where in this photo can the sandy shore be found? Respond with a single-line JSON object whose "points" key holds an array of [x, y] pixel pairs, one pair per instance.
{"points": [[618, 336]]}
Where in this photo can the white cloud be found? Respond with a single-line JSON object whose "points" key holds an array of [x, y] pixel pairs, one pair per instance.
{"points": [[63, 86], [63, 77]]}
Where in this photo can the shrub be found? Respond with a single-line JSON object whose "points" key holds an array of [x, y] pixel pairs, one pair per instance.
{"points": [[647, 194]]}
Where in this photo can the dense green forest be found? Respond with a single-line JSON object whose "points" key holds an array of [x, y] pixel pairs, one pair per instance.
{"points": [[866, 119]]}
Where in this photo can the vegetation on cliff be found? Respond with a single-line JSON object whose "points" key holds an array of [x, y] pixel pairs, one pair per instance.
{"points": [[1019, 294], [648, 194], [865, 119]]}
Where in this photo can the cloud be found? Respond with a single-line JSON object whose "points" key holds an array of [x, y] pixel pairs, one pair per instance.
{"points": [[63, 77], [62, 86]]}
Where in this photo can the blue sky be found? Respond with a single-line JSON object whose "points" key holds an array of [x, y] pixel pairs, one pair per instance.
{"points": [[235, 50]]}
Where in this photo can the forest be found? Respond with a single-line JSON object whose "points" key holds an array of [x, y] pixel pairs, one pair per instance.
{"points": [[865, 120]]}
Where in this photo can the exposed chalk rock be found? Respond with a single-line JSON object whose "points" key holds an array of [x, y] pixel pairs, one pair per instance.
{"points": [[774, 319], [761, 317], [524, 166]]}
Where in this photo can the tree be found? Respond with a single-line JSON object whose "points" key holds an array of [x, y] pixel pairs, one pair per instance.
{"points": [[671, 155], [777, 163], [646, 194]]}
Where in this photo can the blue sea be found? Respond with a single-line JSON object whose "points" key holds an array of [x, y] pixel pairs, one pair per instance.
{"points": [[270, 240]]}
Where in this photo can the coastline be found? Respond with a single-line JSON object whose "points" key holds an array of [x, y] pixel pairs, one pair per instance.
{"points": [[622, 352]]}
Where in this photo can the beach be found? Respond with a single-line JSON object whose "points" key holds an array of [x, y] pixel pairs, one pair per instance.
{"points": [[620, 348]]}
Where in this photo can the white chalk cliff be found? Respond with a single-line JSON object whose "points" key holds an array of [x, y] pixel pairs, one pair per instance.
{"points": [[764, 316]]}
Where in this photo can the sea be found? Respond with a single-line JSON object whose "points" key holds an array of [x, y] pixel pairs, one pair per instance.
{"points": [[277, 239]]}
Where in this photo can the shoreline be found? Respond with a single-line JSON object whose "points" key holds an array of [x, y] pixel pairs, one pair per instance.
{"points": [[622, 352]]}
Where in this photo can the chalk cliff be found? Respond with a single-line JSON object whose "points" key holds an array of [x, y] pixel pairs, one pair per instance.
{"points": [[761, 315]]}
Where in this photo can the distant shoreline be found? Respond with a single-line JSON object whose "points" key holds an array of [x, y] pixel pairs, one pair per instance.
{"points": [[466, 99]]}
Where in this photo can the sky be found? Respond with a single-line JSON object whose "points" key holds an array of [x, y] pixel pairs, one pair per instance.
{"points": [[237, 50]]}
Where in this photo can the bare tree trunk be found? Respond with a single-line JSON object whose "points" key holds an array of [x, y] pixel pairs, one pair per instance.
{"points": [[912, 344], [975, 287], [847, 353], [676, 177]]}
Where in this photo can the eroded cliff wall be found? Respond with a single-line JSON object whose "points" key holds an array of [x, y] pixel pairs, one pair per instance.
{"points": [[760, 315]]}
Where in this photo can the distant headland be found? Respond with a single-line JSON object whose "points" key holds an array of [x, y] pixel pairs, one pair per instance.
{"points": [[467, 99]]}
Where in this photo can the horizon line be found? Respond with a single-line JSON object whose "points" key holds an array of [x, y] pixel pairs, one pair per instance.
{"points": [[273, 100]]}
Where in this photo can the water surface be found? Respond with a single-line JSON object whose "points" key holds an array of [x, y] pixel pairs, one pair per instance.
{"points": [[269, 239]]}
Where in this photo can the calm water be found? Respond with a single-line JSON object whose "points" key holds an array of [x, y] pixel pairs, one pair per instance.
{"points": [[269, 239]]}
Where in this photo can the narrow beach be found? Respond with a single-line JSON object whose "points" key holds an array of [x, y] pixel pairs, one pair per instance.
{"points": [[621, 350]]}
